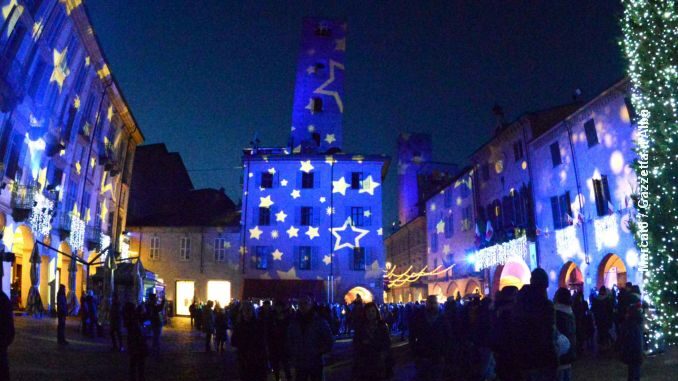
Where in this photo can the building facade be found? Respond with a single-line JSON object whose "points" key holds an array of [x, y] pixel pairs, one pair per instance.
{"points": [[311, 214], [406, 247], [583, 181], [67, 141]]}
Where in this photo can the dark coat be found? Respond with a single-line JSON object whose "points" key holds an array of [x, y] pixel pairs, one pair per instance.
{"points": [[429, 336], [308, 339], [371, 352], [631, 340], [566, 324], [250, 340], [277, 336], [534, 331], [62, 305], [136, 341], [6, 322]]}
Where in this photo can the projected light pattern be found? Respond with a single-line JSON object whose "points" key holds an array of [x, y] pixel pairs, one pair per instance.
{"points": [[289, 197], [41, 215]]}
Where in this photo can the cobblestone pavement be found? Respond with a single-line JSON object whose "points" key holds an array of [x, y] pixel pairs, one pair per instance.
{"points": [[35, 355]]}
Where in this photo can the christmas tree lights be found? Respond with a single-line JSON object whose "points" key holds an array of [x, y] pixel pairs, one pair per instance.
{"points": [[650, 45]]}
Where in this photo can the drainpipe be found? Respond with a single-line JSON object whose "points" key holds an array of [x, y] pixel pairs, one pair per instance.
{"points": [[532, 212], [330, 284], [576, 177]]}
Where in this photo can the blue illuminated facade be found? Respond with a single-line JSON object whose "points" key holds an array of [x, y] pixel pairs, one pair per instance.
{"points": [[312, 215], [67, 141]]}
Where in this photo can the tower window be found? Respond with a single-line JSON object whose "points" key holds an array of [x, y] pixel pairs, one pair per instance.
{"points": [[356, 180], [317, 105]]}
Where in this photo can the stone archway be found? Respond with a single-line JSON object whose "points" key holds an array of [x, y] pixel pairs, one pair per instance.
{"points": [[515, 272], [473, 287], [352, 294], [22, 245], [571, 277], [452, 290], [438, 292], [611, 271]]}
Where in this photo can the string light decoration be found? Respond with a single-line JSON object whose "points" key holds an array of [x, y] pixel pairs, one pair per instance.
{"points": [[499, 254], [650, 32], [407, 277], [77, 236], [41, 214]]}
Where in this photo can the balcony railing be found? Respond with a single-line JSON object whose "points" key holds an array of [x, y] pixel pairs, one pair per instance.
{"points": [[93, 237], [23, 196], [62, 223]]}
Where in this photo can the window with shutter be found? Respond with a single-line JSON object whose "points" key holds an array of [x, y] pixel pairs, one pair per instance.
{"points": [[306, 216], [359, 259], [356, 180], [307, 180], [266, 180], [591, 134], [154, 252], [555, 154], [264, 216]]}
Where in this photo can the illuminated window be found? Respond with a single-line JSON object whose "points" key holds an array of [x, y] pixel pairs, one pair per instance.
{"points": [[561, 211], [264, 216], [185, 249], [307, 180], [358, 258], [220, 249], [356, 180], [591, 134], [154, 252], [260, 258], [602, 193], [306, 216], [305, 253], [266, 180], [518, 150], [555, 154]]}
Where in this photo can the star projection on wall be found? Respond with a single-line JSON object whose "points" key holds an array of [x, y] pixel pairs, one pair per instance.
{"points": [[440, 227], [306, 166], [277, 255], [60, 71], [334, 65], [358, 234], [255, 233], [283, 182], [329, 138], [265, 202], [292, 232], [280, 216], [368, 186], [327, 260], [340, 186], [295, 194], [312, 232]]}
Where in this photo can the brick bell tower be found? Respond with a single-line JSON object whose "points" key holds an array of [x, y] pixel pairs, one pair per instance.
{"points": [[319, 92]]}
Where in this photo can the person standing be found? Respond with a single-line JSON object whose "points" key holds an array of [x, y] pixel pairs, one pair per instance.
{"points": [[192, 309], [136, 342], [308, 338], [6, 334], [429, 338], [62, 312], [220, 329], [249, 337], [277, 338], [534, 330], [208, 324], [155, 311], [631, 340], [115, 322], [372, 347], [567, 326]]}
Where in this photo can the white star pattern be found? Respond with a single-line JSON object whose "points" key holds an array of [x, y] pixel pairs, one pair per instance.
{"points": [[368, 186], [295, 194], [329, 159], [329, 138], [271, 171], [306, 166], [356, 242], [312, 232], [380, 231], [367, 213], [329, 211], [255, 233], [265, 202], [283, 182], [327, 260], [274, 234], [292, 232], [277, 255], [322, 200], [332, 93], [311, 128], [280, 216], [340, 186], [446, 249], [440, 227]]}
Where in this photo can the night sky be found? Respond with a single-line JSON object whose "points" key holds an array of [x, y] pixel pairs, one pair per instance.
{"points": [[204, 76]]}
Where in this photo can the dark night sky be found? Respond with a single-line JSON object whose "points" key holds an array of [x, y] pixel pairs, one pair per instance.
{"points": [[204, 76]]}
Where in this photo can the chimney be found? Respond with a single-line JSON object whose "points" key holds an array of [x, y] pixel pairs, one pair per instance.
{"points": [[499, 117]]}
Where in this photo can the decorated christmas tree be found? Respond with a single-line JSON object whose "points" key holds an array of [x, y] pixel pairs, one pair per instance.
{"points": [[650, 44]]}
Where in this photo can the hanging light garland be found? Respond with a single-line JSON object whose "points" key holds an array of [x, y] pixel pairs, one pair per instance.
{"points": [[650, 30], [41, 214], [407, 277], [77, 236]]}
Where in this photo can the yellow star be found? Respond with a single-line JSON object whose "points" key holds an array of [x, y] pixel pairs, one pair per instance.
{"points": [[78, 167], [74, 212], [265, 202], [288, 275], [295, 194], [37, 30], [104, 211], [334, 93], [255, 232], [329, 138], [340, 186], [340, 44], [440, 227], [60, 71], [87, 61], [70, 5], [292, 232], [87, 215], [327, 260], [312, 232], [369, 185], [103, 72], [109, 113], [306, 166], [277, 255], [76, 102], [92, 162]]}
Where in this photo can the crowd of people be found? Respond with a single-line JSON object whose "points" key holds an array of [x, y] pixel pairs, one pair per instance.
{"points": [[519, 335]]}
